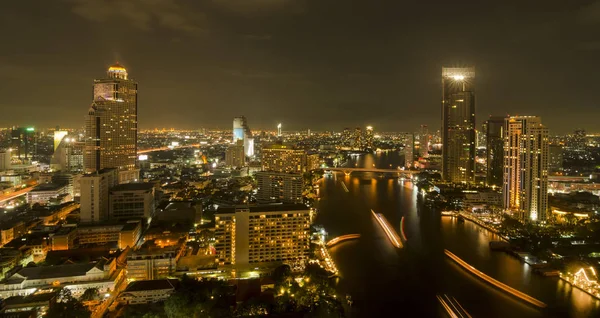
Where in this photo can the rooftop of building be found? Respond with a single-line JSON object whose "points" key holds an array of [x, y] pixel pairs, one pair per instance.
{"points": [[264, 208], [130, 226], [141, 186], [81, 255], [99, 172], [108, 226], [15, 301], [46, 272], [143, 285], [48, 187], [179, 205], [64, 230]]}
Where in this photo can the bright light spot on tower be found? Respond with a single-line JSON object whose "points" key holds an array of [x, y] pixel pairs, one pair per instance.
{"points": [[279, 125], [458, 77], [369, 127]]}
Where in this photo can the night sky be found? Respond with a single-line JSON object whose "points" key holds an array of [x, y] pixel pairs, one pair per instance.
{"points": [[318, 64]]}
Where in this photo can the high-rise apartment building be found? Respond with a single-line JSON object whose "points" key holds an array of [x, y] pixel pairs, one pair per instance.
{"points": [[424, 141], [525, 188], [242, 132], [555, 159], [23, 142], [111, 126], [408, 139], [357, 139], [578, 140], [262, 236], [368, 138], [68, 155], [234, 155], [458, 124], [278, 186], [94, 194], [495, 150], [5, 163], [283, 158]]}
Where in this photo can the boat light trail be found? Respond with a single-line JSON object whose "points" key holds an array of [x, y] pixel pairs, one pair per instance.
{"points": [[388, 229], [402, 230], [344, 186], [342, 238], [453, 307], [494, 282]]}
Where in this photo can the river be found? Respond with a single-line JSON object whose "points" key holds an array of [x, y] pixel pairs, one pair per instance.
{"points": [[384, 281]]}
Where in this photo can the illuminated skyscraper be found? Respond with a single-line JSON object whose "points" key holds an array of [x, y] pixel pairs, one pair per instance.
{"points": [[279, 130], [23, 142], [111, 126], [369, 138], [283, 158], [525, 188], [495, 150], [408, 139], [357, 138], [241, 131], [458, 124], [424, 141]]}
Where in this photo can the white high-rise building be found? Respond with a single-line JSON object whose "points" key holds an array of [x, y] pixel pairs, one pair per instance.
{"points": [[111, 126], [525, 186], [253, 237], [241, 131]]}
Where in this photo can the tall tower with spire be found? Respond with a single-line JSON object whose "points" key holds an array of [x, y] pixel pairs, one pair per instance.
{"points": [[111, 126]]}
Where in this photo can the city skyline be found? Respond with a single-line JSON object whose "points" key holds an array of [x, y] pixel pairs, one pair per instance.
{"points": [[266, 54]]}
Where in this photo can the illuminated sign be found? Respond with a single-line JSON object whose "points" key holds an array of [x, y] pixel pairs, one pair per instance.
{"points": [[30, 129], [143, 157]]}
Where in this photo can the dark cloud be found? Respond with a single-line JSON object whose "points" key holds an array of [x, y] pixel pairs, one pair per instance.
{"points": [[262, 7], [319, 64], [142, 14]]}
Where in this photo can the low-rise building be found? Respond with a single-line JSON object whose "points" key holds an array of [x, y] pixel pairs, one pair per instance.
{"points": [[147, 291], [153, 262], [10, 230], [40, 303], [474, 200], [64, 238], [76, 277], [49, 193], [126, 234]]}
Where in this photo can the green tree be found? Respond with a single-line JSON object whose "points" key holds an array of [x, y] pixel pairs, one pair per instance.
{"points": [[90, 294], [67, 307]]}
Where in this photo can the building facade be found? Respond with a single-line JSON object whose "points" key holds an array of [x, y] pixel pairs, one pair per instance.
{"points": [[94, 195], [131, 201], [234, 155], [494, 150], [153, 262], [262, 236], [458, 124], [283, 158], [525, 188], [282, 187], [111, 126], [241, 131]]}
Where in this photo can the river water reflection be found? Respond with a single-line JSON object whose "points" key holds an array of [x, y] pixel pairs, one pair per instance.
{"points": [[384, 281]]}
